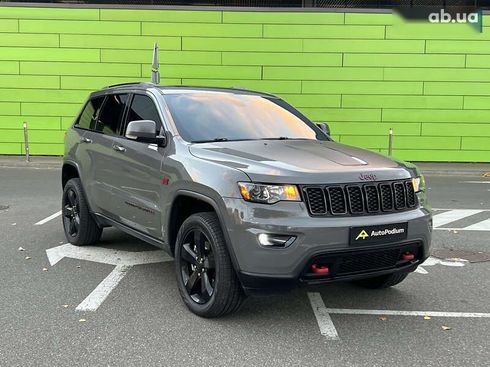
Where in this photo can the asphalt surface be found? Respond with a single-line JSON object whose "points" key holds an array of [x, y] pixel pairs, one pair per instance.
{"points": [[144, 323]]}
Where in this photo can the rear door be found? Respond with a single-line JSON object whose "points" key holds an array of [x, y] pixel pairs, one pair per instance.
{"points": [[102, 167], [140, 175]]}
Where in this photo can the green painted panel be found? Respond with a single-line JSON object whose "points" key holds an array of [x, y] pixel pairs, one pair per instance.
{"points": [[79, 27], [25, 40], [369, 18], [139, 15], [477, 103], [11, 136], [478, 61], [312, 100], [48, 13], [48, 54], [202, 29], [45, 149], [46, 136], [363, 46], [119, 42], [441, 155], [11, 148], [9, 25], [268, 86], [33, 122], [29, 81], [362, 87], [9, 108], [387, 101], [165, 57], [241, 44], [457, 89], [73, 68], [373, 128], [282, 17], [50, 109], [433, 74], [324, 31], [204, 72], [458, 47], [342, 114], [42, 95], [404, 142], [281, 59], [455, 129], [432, 115], [404, 60], [92, 83], [321, 73], [8, 67], [475, 143], [428, 31]]}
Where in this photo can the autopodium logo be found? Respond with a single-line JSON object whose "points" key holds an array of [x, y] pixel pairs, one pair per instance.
{"points": [[473, 18]]}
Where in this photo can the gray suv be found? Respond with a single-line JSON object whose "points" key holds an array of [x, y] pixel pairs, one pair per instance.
{"points": [[245, 192]]}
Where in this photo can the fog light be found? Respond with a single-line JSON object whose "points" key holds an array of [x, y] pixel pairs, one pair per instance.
{"points": [[275, 240]]}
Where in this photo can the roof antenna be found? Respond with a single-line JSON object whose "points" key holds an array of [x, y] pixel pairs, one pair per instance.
{"points": [[155, 74]]}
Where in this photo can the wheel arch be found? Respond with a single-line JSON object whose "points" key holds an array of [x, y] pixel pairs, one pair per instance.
{"points": [[69, 170], [204, 203]]}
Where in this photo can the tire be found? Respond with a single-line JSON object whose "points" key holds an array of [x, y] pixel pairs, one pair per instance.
{"points": [[383, 281], [206, 279], [79, 225]]}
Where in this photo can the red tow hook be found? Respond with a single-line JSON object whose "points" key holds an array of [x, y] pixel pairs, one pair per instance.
{"points": [[408, 256], [320, 269]]}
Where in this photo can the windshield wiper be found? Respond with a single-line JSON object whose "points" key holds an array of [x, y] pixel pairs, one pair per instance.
{"points": [[278, 138], [210, 140]]}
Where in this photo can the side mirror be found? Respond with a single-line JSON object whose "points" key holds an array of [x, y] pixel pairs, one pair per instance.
{"points": [[145, 131], [323, 126]]}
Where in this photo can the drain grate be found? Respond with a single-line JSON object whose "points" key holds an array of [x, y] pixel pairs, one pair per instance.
{"points": [[4, 207], [471, 256]]}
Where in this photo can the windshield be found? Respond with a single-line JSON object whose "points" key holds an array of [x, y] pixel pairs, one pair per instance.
{"points": [[214, 116]]}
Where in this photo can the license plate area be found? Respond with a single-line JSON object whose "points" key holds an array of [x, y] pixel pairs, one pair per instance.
{"points": [[379, 234]]}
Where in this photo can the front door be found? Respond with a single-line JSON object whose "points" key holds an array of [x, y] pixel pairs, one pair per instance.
{"points": [[140, 176]]}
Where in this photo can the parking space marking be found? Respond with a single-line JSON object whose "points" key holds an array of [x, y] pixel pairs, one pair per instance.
{"points": [[99, 294], [47, 219], [480, 226], [350, 311], [123, 260], [452, 216], [325, 323]]}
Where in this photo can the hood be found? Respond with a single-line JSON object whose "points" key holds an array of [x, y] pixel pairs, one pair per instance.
{"points": [[301, 161]]}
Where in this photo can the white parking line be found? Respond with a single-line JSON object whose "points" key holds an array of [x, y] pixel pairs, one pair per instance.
{"points": [[453, 216], [325, 323], [45, 220], [480, 226], [100, 293], [349, 311]]}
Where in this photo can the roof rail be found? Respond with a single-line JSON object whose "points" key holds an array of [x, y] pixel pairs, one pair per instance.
{"points": [[130, 83]]}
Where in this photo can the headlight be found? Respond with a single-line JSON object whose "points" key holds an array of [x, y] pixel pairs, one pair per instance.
{"points": [[418, 183], [268, 194]]}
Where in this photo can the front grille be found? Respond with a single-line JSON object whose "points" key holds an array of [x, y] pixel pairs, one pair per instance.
{"points": [[369, 261], [360, 199]]}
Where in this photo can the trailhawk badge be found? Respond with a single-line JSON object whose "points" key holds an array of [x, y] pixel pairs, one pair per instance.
{"points": [[370, 235]]}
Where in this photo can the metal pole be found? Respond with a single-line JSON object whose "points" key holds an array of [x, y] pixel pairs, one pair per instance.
{"points": [[26, 141], [390, 142]]}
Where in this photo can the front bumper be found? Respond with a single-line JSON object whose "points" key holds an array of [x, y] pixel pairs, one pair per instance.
{"points": [[268, 269]]}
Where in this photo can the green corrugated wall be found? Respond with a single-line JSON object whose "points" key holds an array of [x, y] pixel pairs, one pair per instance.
{"points": [[361, 72]]}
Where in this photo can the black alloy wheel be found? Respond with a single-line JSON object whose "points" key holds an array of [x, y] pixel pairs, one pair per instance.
{"points": [[71, 212], [79, 224], [198, 266], [205, 274]]}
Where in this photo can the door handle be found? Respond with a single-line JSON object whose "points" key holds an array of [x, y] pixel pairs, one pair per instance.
{"points": [[118, 148], [85, 140]]}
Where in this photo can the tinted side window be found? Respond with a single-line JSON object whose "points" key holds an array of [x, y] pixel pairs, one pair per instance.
{"points": [[143, 108], [88, 117], [112, 113]]}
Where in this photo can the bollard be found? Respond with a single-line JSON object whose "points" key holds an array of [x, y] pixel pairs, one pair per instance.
{"points": [[390, 142], [26, 141]]}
